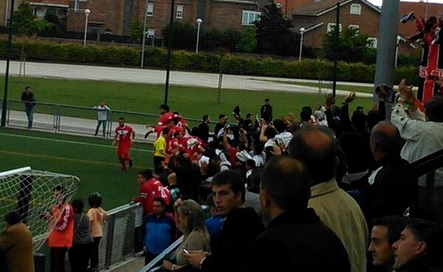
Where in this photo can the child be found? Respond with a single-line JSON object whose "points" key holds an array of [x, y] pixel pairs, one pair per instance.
{"points": [[96, 220]]}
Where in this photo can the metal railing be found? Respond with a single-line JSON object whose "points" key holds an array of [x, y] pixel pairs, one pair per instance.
{"points": [[119, 234], [78, 120]]}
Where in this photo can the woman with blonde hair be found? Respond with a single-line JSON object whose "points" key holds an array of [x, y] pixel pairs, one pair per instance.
{"points": [[190, 221]]}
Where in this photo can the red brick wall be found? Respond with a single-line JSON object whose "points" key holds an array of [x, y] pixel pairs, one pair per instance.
{"points": [[228, 15]]}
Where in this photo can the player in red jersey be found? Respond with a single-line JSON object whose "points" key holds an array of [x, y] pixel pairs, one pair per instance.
{"points": [[150, 188], [123, 135]]}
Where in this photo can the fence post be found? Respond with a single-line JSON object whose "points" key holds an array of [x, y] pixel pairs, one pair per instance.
{"points": [[110, 240]]}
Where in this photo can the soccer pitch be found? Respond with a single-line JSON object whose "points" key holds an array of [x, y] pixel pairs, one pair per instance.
{"points": [[93, 160]]}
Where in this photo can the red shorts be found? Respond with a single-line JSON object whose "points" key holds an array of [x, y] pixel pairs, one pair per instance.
{"points": [[123, 149]]}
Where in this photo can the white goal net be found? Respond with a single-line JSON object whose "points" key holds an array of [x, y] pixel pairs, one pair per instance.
{"points": [[31, 193]]}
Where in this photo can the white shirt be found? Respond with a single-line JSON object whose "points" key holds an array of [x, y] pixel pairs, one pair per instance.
{"points": [[285, 137], [102, 112], [422, 138]]}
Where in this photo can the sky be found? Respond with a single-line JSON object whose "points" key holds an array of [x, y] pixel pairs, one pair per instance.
{"points": [[379, 2]]}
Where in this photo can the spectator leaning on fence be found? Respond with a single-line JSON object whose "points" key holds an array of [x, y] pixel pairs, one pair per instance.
{"points": [[102, 116], [29, 100]]}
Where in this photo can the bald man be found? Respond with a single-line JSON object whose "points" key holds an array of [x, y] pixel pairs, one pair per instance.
{"points": [[392, 185], [316, 147]]}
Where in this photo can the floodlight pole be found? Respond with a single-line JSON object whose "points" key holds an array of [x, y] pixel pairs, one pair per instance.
{"points": [[8, 60], [168, 60], [144, 36]]}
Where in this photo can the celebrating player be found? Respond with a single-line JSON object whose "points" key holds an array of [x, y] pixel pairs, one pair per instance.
{"points": [[123, 135]]}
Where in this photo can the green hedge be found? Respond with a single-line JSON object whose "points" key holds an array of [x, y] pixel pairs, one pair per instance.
{"points": [[188, 61]]}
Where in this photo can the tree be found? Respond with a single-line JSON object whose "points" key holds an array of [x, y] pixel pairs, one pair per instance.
{"points": [[136, 30], [247, 42], [25, 23], [352, 46], [183, 35], [274, 34]]}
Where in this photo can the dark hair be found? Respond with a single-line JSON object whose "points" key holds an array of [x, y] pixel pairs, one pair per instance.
{"points": [[205, 117], [250, 163], [307, 109], [321, 161], [232, 178], [62, 190], [270, 132], [95, 200], [147, 174], [12, 218], [121, 118], [161, 200], [287, 181], [394, 223], [165, 131], [221, 116], [78, 205], [305, 116], [279, 125], [27, 87], [164, 107], [431, 233], [391, 144], [359, 120], [434, 108]]}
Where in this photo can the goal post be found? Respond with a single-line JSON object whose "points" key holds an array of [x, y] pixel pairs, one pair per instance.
{"points": [[29, 192]]}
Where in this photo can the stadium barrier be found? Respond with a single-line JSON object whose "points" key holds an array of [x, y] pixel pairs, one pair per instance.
{"points": [[120, 235], [78, 120]]}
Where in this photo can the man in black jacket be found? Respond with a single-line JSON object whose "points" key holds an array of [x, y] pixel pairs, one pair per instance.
{"points": [[392, 186], [241, 227], [29, 100], [296, 239]]}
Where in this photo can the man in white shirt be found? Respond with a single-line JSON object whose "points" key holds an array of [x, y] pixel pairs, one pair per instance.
{"points": [[423, 134], [102, 116]]}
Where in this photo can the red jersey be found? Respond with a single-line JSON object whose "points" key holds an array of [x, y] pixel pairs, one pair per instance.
{"points": [[149, 190], [124, 134], [165, 118], [191, 150]]}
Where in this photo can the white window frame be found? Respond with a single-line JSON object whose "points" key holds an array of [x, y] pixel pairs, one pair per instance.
{"points": [[356, 27], [179, 10], [150, 33], [331, 26], [249, 17], [374, 42], [150, 10], [355, 9]]}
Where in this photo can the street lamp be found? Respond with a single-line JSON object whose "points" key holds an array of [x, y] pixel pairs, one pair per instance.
{"points": [[144, 36], [396, 50], [87, 12], [302, 31], [199, 22]]}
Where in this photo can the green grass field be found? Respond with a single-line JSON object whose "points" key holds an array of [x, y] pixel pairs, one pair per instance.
{"points": [[191, 102], [94, 161]]}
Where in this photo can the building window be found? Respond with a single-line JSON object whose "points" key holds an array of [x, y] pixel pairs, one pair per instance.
{"points": [[355, 29], [151, 33], [179, 12], [331, 27], [355, 9], [372, 42], [150, 10], [249, 17]]}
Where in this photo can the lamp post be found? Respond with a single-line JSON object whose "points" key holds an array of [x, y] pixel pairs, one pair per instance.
{"points": [[8, 59], [396, 50], [302, 31], [144, 36], [199, 22], [87, 12]]}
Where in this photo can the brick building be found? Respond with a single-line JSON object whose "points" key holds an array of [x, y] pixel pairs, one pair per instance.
{"points": [[116, 16]]}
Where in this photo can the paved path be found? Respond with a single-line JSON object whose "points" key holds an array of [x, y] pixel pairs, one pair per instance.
{"points": [[51, 70]]}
